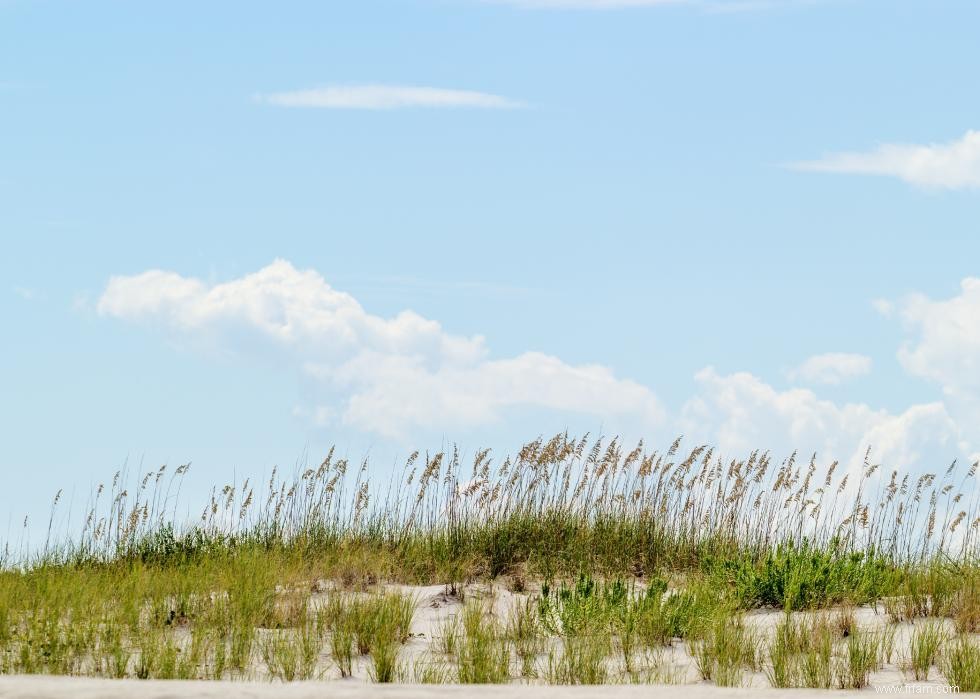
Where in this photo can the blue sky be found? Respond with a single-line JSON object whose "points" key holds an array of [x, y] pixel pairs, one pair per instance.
{"points": [[234, 233]]}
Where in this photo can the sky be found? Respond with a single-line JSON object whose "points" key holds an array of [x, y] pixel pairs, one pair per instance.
{"points": [[236, 233]]}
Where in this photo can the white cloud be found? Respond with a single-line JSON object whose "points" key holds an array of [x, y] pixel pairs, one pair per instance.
{"points": [[292, 308], [24, 293], [946, 343], [740, 412], [386, 97], [953, 165], [392, 376], [832, 368], [389, 391], [884, 307], [587, 4], [388, 374]]}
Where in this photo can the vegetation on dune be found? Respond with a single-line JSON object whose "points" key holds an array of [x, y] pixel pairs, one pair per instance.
{"points": [[618, 556], [802, 576]]}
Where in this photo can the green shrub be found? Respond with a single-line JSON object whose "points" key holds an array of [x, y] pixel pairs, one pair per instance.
{"points": [[803, 576]]}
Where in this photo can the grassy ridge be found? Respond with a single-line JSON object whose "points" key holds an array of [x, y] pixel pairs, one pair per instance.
{"points": [[138, 593], [558, 506]]}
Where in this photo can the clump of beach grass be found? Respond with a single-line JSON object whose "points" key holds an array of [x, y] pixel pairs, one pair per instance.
{"points": [[525, 631], [861, 657], [581, 660], [375, 626], [430, 670], [960, 664], [725, 649], [482, 652], [800, 652], [927, 640]]}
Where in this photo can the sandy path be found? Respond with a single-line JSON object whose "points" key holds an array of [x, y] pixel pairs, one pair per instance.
{"points": [[34, 687]]}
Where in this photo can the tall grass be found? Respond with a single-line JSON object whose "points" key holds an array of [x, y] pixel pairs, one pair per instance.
{"points": [[559, 506]]}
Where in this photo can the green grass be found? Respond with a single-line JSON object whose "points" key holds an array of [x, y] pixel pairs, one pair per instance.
{"points": [[803, 576], [861, 657], [931, 590], [927, 639], [725, 649], [341, 635], [384, 662], [525, 630], [581, 660], [291, 655], [482, 653], [431, 671], [810, 644], [960, 664], [623, 553]]}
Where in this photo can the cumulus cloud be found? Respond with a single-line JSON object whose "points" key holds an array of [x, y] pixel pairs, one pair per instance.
{"points": [[953, 165], [389, 374], [945, 343], [739, 412], [831, 368], [394, 375], [386, 97]]}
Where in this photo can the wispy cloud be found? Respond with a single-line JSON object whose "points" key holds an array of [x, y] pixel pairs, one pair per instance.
{"points": [[588, 4], [708, 6], [952, 165], [738, 6], [831, 368], [386, 97], [884, 307], [403, 283]]}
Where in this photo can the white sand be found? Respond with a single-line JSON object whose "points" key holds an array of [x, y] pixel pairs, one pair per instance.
{"points": [[434, 607]]}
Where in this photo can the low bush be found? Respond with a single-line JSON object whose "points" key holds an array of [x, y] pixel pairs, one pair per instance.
{"points": [[803, 576]]}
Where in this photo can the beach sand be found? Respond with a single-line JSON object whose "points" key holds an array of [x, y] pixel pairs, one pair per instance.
{"points": [[434, 607]]}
